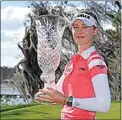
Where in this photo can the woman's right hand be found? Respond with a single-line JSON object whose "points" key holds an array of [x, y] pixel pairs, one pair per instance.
{"points": [[41, 97], [36, 97]]}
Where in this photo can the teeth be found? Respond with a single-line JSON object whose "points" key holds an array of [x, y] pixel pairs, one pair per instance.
{"points": [[80, 37]]}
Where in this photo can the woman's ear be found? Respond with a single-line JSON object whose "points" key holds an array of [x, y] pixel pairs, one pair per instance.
{"points": [[96, 30]]}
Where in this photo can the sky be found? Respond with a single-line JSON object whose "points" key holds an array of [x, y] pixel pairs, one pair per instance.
{"points": [[13, 15]]}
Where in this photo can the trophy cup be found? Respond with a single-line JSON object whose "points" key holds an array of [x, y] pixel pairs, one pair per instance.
{"points": [[50, 29]]}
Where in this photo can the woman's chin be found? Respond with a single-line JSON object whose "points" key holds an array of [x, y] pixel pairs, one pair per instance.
{"points": [[81, 42]]}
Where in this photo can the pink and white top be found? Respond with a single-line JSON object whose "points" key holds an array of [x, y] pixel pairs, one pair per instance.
{"points": [[85, 78]]}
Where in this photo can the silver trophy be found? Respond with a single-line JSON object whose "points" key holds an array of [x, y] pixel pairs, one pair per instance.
{"points": [[50, 29]]}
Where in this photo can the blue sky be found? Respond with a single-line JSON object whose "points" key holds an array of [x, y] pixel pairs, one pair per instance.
{"points": [[13, 15], [14, 3]]}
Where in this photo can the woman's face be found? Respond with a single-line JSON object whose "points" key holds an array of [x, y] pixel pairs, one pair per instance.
{"points": [[82, 33]]}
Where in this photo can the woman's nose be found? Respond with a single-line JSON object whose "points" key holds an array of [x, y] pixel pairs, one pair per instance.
{"points": [[80, 30]]}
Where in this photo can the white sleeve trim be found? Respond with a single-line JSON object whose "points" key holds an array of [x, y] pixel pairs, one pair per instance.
{"points": [[96, 62], [102, 100], [97, 55]]}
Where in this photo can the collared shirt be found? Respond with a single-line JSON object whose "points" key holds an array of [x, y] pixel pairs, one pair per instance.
{"points": [[77, 81]]}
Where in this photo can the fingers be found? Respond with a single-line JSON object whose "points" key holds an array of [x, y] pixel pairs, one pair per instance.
{"points": [[51, 103], [42, 99], [43, 91], [45, 95], [49, 92]]}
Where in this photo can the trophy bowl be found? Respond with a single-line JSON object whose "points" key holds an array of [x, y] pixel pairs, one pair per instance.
{"points": [[50, 29]]}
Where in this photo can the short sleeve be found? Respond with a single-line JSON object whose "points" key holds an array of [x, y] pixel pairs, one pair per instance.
{"points": [[97, 65]]}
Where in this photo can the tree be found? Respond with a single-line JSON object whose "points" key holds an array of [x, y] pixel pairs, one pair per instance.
{"points": [[28, 46], [107, 42]]}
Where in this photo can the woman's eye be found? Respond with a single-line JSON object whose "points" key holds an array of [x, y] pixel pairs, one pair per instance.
{"points": [[85, 26]]}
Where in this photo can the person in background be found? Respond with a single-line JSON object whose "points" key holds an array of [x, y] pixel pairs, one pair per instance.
{"points": [[83, 88]]}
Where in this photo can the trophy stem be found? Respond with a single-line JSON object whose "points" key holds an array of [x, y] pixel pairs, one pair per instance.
{"points": [[50, 85], [49, 80]]}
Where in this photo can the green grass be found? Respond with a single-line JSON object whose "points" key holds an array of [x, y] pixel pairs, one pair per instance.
{"points": [[33, 112], [52, 112], [114, 112], [7, 107]]}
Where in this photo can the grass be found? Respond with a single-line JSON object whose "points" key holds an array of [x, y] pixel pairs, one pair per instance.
{"points": [[114, 112], [7, 107], [49, 112], [33, 112]]}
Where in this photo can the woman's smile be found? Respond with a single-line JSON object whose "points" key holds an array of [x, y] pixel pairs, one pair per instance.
{"points": [[80, 37]]}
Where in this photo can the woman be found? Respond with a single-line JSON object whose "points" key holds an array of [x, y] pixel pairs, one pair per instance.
{"points": [[83, 88]]}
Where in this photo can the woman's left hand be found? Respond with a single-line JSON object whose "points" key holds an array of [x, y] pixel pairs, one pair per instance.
{"points": [[51, 95]]}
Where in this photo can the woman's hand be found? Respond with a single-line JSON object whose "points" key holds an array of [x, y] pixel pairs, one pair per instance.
{"points": [[52, 96]]}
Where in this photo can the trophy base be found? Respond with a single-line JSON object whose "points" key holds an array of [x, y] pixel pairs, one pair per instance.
{"points": [[46, 85], [50, 85]]}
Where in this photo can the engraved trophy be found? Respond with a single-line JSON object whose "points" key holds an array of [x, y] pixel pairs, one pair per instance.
{"points": [[50, 29]]}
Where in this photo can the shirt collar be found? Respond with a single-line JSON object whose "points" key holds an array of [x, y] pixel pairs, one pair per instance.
{"points": [[87, 52]]}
